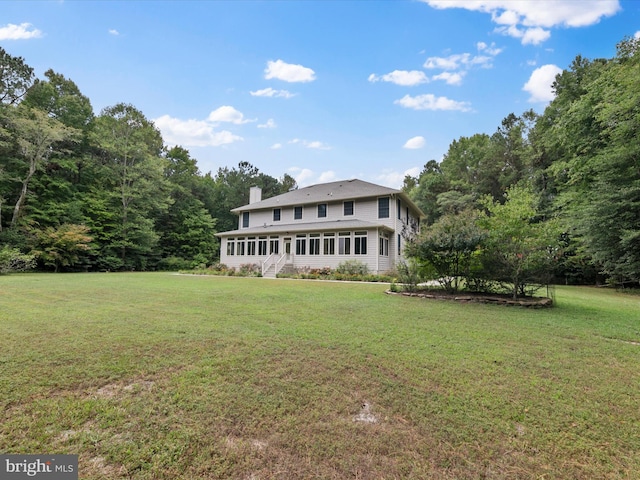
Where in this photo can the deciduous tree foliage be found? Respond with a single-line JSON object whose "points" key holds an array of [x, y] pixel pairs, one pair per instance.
{"points": [[144, 204], [521, 247], [449, 247]]}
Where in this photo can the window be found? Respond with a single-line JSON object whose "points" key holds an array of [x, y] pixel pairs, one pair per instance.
{"points": [[399, 205], [329, 244], [344, 243], [322, 210], [245, 220], [301, 244], [297, 213], [383, 207], [384, 245], [231, 246], [274, 245], [360, 243], [240, 246], [251, 246], [276, 214], [399, 247], [262, 245], [314, 244], [348, 208]]}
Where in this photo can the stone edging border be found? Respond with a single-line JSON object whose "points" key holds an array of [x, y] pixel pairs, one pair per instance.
{"points": [[536, 302]]}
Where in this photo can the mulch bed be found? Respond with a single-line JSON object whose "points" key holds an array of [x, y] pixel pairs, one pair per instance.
{"points": [[495, 299]]}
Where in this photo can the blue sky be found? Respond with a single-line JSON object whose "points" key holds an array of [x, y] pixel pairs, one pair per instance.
{"points": [[321, 90]]}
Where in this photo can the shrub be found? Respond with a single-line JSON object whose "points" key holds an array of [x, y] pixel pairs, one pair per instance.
{"points": [[408, 275], [174, 264], [352, 267], [250, 270], [13, 260]]}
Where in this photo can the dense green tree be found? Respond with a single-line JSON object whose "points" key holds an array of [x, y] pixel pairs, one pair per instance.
{"points": [[37, 136], [61, 99], [130, 150], [187, 230], [521, 247], [425, 189], [449, 247], [15, 78], [608, 217]]}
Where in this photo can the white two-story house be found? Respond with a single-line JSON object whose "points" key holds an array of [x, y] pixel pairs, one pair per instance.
{"points": [[322, 226]]}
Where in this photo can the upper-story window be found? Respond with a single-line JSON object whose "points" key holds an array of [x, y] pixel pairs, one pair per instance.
{"points": [[383, 207], [297, 213], [276, 214], [322, 210], [399, 205], [245, 219], [348, 208]]}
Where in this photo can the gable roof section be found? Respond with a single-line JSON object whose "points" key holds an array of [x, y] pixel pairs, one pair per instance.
{"points": [[327, 192]]}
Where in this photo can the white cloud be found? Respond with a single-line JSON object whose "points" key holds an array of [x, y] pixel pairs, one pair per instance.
{"points": [[393, 179], [489, 49], [450, 78], [193, 133], [415, 143], [431, 102], [452, 62], [302, 176], [535, 17], [268, 124], [456, 66], [540, 82], [637, 35], [228, 114], [460, 61], [529, 36], [305, 177], [24, 31], [327, 176], [401, 77], [288, 72], [270, 92], [114, 32], [276, 146], [316, 145]]}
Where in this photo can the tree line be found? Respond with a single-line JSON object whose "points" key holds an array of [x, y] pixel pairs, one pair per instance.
{"points": [[80, 191], [546, 196], [551, 196]]}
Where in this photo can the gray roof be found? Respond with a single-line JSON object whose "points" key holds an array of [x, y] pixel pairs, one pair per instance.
{"points": [[326, 192], [293, 228]]}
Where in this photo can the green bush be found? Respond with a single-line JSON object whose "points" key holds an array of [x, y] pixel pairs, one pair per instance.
{"points": [[408, 275], [352, 267], [174, 264], [13, 260]]}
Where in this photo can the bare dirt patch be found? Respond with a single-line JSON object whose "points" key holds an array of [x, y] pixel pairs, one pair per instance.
{"points": [[116, 390]]}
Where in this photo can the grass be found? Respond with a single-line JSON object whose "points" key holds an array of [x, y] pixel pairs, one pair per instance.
{"points": [[159, 376]]}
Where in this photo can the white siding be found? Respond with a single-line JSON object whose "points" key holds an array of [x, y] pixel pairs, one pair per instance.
{"points": [[364, 209]]}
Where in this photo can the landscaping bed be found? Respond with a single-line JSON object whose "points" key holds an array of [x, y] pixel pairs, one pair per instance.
{"points": [[469, 297]]}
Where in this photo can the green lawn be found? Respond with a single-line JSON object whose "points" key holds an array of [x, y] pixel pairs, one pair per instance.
{"points": [[160, 376]]}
